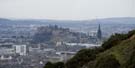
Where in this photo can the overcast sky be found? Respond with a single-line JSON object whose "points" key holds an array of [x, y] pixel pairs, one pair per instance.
{"points": [[66, 9]]}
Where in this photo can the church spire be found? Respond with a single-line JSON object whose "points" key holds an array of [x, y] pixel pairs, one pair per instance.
{"points": [[99, 33]]}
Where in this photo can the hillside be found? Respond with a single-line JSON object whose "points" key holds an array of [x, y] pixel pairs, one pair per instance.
{"points": [[122, 52], [119, 55], [117, 52]]}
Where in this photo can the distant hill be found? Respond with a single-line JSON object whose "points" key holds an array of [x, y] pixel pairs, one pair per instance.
{"points": [[122, 20], [108, 25]]}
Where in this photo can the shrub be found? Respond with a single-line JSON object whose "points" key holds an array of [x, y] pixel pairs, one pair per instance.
{"points": [[116, 39], [54, 65], [59, 65], [108, 61], [49, 65], [82, 57], [131, 62]]}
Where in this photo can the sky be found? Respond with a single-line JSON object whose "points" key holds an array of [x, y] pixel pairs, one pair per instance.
{"points": [[66, 9]]}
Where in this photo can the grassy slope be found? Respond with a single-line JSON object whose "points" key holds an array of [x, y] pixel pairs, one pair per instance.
{"points": [[122, 51]]}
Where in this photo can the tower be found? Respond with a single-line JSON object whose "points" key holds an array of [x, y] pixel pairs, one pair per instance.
{"points": [[99, 33]]}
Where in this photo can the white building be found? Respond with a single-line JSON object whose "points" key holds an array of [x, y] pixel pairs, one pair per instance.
{"points": [[5, 57], [83, 44], [20, 49], [92, 33]]}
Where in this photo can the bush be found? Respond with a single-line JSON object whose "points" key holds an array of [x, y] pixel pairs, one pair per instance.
{"points": [[59, 65], [82, 57], [108, 61], [54, 65], [49, 65], [131, 62], [116, 39]]}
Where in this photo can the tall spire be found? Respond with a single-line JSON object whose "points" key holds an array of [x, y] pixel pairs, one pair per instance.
{"points": [[99, 33]]}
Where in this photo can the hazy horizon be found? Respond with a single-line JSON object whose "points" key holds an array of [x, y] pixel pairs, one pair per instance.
{"points": [[66, 9]]}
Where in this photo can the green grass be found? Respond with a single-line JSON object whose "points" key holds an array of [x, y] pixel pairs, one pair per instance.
{"points": [[122, 51]]}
